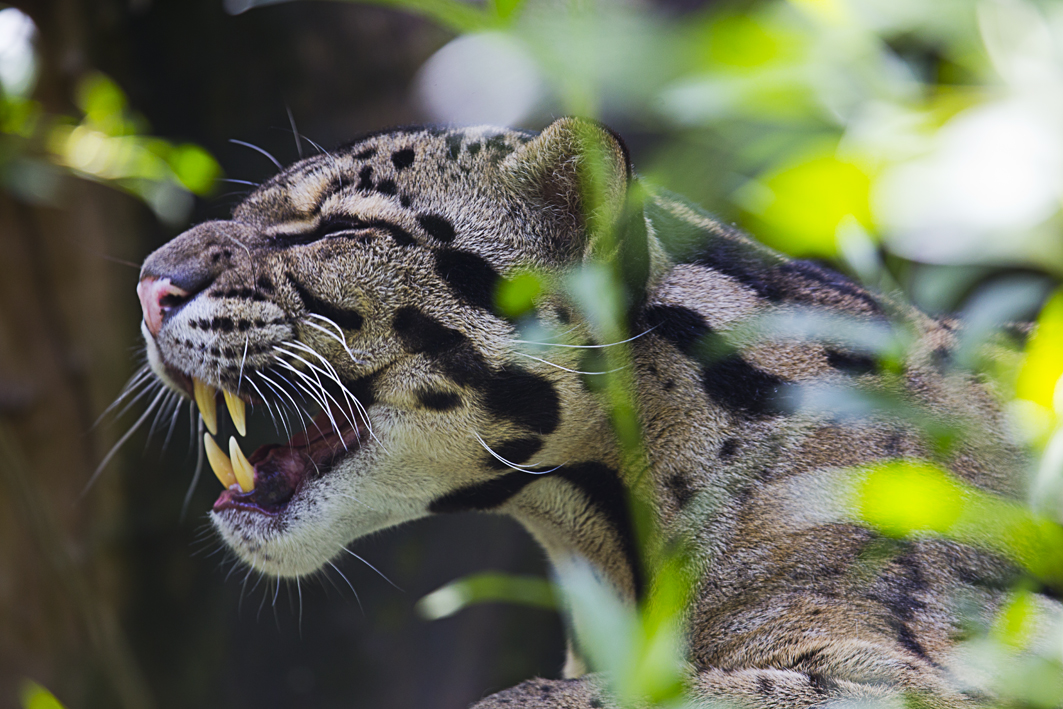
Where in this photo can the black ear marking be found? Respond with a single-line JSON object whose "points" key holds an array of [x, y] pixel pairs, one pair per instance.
{"points": [[454, 141]]}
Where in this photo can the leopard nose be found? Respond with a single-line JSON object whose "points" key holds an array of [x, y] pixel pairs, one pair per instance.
{"points": [[158, 297]]}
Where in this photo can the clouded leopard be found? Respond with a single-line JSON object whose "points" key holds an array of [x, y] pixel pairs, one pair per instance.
{"points": [[362, 284]]}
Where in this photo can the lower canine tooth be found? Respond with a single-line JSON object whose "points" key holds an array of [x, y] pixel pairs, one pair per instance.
{"points": [[237, 411], [208, 407], [219, 462], [242, 468]]}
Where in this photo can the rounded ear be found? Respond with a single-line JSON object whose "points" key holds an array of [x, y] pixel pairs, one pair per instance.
{"points": [[576, 174]]}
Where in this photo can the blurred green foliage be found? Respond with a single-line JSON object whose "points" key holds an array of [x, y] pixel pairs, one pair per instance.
{"points": [[487, 587], [34, 696], [108, 144], [912, 144]]}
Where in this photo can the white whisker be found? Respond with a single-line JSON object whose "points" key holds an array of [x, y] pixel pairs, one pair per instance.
{"points": [[379, 572], [521, 468], [574, 371], [586, 347], [121, 441], [336, 569], [195, 475], [259, 150], [139, 378]]}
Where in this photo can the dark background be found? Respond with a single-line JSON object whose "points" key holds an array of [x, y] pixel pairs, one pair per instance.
{"points": [[112, 599]]}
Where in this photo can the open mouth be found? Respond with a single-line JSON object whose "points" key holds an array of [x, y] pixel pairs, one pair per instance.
{"points": [[266, 481]]}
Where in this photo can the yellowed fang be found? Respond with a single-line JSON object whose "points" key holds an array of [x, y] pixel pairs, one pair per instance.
{"points": [[237, 410], [242, 468], [219, 462], [208, 407]]}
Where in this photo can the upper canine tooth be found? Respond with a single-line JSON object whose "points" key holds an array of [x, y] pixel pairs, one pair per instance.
{"points": [[208, 407], [219, 462], [242, 468], [237, 411]]}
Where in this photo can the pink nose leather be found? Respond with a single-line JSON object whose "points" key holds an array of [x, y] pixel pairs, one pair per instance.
{"points": [[151, 291]]}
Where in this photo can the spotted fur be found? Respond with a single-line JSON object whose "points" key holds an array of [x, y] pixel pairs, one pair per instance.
{"points": [[384, 258]]}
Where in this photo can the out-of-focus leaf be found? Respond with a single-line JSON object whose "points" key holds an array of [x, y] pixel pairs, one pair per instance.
{"points": [[486, 587], [1015, 625], [505, 9], [641, 649], [1041, 377], [457, 15], [103, 103], [34, 696], [516, 295], [912, 498], [18, 116], [741, 42], [195, 168], [799, 207], [909, 497]]}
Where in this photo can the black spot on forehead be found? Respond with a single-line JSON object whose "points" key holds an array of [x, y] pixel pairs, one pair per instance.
{"points": [[498, 147], [809, 283], [365, 154], [474, 148], [420, 333], [470, 277], [386, 187], [402, 159], [728, 449], [525, 398], [516, 451], [365, 178], [438, 227]]}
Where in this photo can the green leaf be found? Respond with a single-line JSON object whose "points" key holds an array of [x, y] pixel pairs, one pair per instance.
{"points": [[34, 696], [905, 497], [799, 207], [195, 168], [462, 17], [487, 587], [506, 9], [911, 498], [516, 295]]}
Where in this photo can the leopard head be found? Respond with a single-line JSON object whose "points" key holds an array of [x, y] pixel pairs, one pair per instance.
{"points": [[350, 300]]}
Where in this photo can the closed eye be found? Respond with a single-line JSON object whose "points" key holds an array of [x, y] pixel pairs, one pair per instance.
{"points": [[328, 227]]}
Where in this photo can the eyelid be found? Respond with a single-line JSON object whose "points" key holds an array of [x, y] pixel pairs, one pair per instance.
{"points": [[338, 225]]}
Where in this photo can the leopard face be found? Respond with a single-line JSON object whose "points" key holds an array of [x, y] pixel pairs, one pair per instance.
{"points": [[350, 300]]}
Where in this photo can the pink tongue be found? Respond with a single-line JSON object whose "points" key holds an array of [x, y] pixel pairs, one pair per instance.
{"points": [[280, 469]]}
